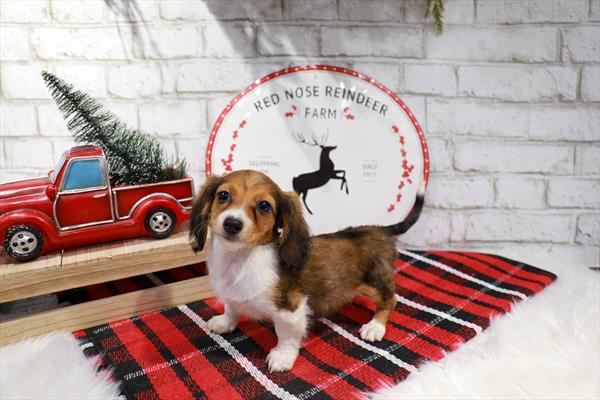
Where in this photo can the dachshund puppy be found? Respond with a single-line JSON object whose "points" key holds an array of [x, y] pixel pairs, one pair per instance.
{"points": [[262, 262]]}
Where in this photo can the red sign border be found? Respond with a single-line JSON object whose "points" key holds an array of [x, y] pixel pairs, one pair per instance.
{"points": [[317, 67]]}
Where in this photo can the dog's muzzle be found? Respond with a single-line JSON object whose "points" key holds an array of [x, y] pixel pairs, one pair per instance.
{"points": [[232, 226]]}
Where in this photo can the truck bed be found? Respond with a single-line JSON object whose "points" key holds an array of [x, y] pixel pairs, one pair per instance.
{"points": [[127, 198]]}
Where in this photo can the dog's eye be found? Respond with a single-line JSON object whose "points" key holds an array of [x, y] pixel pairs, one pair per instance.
{"points": [[223, 196], [264, 207]]}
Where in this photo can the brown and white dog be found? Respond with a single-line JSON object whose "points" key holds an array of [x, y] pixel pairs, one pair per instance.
{"points": [[264, 264]]}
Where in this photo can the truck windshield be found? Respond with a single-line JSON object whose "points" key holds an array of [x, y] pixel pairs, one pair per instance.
{"points": [[83, 174], [58, 168]]}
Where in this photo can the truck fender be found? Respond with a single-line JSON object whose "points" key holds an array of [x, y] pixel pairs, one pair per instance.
{"points": [[158, 201], [30, 217]]}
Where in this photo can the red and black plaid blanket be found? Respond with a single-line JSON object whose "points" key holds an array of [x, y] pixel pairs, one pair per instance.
{"points": [[444, 299]]}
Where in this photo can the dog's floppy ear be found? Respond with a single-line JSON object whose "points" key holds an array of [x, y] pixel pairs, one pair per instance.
{"points": [[294, 237], [201, 212]]}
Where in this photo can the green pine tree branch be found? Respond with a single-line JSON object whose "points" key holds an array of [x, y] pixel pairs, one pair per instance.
{"points": [[133, 156], [436, 8]]}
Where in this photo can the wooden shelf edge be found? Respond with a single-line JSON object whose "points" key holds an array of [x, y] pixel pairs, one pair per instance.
{"points": [[86, 315], [95, 264]]}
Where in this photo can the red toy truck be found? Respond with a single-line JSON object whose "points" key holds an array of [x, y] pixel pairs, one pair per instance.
{"points": [[76, 205]]}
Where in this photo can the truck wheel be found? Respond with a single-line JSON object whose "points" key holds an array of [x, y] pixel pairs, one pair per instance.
{"points": [[23, 243], [160, 223]]}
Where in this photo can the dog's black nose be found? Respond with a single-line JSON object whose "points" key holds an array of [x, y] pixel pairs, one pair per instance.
{"points": [[232, 226]]}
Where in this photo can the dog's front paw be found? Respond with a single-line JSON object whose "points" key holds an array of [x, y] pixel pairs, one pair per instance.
{"points": [[372, 331], [221, 324], [282, 358]]}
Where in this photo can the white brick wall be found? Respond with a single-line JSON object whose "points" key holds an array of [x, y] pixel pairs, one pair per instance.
{"points": [[509, 95]]}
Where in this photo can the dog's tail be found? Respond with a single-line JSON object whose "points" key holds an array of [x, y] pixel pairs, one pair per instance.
{"points": [[413, 216]]}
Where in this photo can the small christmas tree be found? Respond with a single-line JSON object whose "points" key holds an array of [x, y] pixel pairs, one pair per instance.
{"points": [[133, 156], [436, 8]]}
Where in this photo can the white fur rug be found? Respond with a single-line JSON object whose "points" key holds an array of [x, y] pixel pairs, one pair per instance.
{"points": [[548, 347], [51, 367]]}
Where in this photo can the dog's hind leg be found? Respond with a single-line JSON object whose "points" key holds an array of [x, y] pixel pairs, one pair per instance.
{"points": [[374, 330], [382, 292]]}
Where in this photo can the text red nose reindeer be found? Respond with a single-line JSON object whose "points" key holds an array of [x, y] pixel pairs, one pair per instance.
{"points": [[312, 180]]}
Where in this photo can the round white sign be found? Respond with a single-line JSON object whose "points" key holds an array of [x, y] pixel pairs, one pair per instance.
{"points": [[349, 147]]}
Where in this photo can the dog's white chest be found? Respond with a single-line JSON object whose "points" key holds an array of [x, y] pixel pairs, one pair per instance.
{"points": [[245, 278]]}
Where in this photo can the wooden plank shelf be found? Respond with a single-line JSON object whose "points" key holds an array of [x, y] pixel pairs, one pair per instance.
{"points": [[97, 312], [95, 264]]}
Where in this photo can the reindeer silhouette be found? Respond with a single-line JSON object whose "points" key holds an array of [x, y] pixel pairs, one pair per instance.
{"points": [[312, 180]]}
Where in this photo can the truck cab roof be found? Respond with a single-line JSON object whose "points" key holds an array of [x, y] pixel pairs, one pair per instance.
{"points": [[84, 151]]}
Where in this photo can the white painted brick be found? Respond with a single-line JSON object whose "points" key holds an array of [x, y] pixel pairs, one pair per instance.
{"points": [[590, 83], [574, 193], [132, 11], [311, 9], [215, 106], [220, 76], [373, 10], [127, 112], [51, 121], [14, 44], [588, 229], [458, 224], [559, 122], [87, 44], [467, 117], [169, 147], [458, 192], [582, 44], [587, 159], [594, 10], [440, 159], [4, 159], [432, 228], [525, 11], [59, 146], [282, 40], [197, 176], [161, 43], [173, 118], [455, 11], [430, 79], [19, 174], [416, 105], [89, 78], [388, 74], [266, 10], [132, 80], [24, 11], [168, 74], [495, 226], [17, 119], [185, 10], [28, 153], [373, 41], [21, 81], [74, 11], [516, 83], [227, 40], [528, 44], [513, 157], [193, 150], [519, 192]]}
